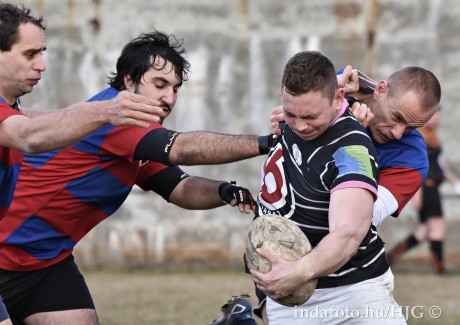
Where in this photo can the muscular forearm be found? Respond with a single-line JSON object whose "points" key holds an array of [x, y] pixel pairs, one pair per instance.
{"points": [[196, 193], [200, 148], [56, 130], [350, 212], [32, 113], [331, 253]]}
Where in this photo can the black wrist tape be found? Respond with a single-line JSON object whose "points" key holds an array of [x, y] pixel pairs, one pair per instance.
{"points": [[266, 142]]}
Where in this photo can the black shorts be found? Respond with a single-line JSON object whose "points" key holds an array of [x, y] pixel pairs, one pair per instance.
{"points": [[432, 205], [54, 288]]}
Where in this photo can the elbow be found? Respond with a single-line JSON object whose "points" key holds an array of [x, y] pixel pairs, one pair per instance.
{"points": [[33, 146], [353, 240]]}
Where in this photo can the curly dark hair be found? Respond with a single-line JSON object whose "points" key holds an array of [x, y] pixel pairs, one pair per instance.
{"points": [[141, 53]]}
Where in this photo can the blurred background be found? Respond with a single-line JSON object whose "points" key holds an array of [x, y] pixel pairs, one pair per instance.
{"points": [[237, 50]]}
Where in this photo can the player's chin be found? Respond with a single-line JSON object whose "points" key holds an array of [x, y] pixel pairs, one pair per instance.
{"points": [[381, 138], [309, 136]]}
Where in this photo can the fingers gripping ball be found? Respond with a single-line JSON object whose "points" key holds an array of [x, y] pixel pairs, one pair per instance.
{"points": [[284, 238]]}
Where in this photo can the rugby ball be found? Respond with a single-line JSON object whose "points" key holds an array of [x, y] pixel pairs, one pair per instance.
{"points": [[284, 238]]}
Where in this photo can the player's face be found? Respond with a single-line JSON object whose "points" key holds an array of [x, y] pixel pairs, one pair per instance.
{"points": [[159, 84], [309, 115], [21, 68], [394, 116]]}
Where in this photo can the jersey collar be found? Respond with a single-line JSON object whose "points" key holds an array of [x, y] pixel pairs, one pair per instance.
{"points": [[16, 105]]}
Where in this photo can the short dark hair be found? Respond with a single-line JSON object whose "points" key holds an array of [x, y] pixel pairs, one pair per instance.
{"points": [[423, 82], [141, 53], [11, 16], [310, 71]]}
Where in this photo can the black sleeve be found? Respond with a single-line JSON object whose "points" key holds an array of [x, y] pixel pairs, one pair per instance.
{"points": [[155, 146], [165, 181]]}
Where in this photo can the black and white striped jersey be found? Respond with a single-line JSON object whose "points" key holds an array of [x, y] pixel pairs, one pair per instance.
{"points": [[299, 176]]}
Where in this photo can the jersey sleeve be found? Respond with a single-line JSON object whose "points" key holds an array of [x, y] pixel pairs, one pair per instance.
{"points": [[402, 183], [403, 167], [110, 140], [121, 141], [356, 167], [7, 111]]}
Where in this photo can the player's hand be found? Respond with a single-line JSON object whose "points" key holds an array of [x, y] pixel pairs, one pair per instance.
{"points": [[348, 80], [129, 109], [281, 280], [233, 194], [361, 111], [276, 118]]}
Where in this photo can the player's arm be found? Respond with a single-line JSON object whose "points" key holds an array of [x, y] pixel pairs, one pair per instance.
{"points": [[56, 130], [199, 147], [350, 213], [197, 193]]}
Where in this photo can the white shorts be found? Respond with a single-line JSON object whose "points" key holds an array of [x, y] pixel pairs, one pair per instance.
{"points": [[366, 302]]}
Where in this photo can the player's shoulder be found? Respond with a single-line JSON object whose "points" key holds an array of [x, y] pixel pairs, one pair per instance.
{"points": [[7, 111], [347, 128], [105, 94], [413, 137], [411, 141], [347, 122]]}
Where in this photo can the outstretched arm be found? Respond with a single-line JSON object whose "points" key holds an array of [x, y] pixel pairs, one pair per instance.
{"points": [[195, 193], [201, 193], [199, 147], [202, 148], [56, 130]]}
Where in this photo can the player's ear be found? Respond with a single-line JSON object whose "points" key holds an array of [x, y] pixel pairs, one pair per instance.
{"points": [[381, 88], [129, 84], [338, 99]]}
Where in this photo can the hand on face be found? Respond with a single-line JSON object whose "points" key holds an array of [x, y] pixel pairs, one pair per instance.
{"points": [[129, 109]]}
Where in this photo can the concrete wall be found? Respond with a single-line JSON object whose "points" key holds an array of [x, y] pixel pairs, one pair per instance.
{"points": [[237, 49]]}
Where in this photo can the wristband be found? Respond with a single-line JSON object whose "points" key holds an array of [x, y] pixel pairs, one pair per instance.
{"points": [[266, 142]]}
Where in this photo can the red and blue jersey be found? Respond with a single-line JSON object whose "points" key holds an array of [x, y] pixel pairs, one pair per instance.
{"points": [[10, 162], [61, 195], [403, 166]]}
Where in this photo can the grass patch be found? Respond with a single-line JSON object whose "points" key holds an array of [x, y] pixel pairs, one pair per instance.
{"points": [[194, 295]]}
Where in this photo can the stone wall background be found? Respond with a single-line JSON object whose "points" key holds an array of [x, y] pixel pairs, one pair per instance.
{"points": [[237, 49]]}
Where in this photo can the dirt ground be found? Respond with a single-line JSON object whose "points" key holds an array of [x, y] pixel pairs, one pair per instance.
{"points": [[194, 296]]}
